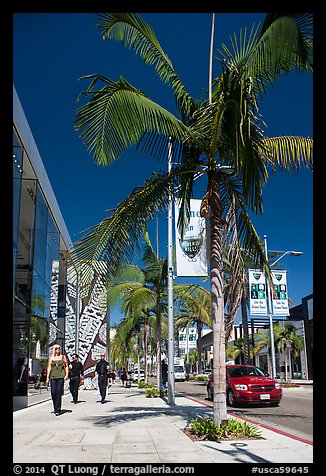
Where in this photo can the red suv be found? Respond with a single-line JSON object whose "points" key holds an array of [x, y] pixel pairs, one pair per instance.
{"points": [[248, 384]]}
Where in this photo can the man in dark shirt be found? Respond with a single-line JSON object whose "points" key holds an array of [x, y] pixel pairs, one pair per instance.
{"points": [[101, 371], [76, 373], [164, 373]]}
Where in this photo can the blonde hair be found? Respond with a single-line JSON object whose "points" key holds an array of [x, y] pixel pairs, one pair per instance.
{"points": [[56, 346]]}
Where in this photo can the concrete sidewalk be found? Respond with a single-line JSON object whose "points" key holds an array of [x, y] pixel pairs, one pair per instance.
{"points": [[131, 428]]}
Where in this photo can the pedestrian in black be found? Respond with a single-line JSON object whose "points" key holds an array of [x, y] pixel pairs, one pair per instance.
{"points": [[164, 373], [124, 377], [76, 375], [101, 371]]}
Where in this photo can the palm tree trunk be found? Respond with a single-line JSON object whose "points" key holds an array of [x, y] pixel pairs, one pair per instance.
{"points": [[199, 346], [146, 329], [216, 280]]}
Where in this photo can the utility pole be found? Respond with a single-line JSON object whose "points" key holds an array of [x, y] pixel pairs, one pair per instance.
{"points": [[171, 392], [270, 313]]}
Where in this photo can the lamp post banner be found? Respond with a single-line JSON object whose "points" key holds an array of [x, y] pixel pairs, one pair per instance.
{"points": [[280, 295], [191, 249], [258, 298]]}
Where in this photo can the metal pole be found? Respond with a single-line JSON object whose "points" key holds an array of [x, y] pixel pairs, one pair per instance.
{"points": [[171, 393], [77, 317], [108, 325], [270, 313]]}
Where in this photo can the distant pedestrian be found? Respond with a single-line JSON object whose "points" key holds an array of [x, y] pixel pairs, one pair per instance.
{"points": [[119, 375], [124, 377], [112, 375], [43, 378], [76, 375], [57, 373], [101, 371], [164, 373]]}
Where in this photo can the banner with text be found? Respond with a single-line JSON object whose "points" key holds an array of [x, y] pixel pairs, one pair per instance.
{"points": [[280, 295], [258, 298], [188, 338], [191, 249]]}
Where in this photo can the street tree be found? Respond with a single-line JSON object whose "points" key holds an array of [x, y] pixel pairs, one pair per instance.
{"points": [[223, 129]]}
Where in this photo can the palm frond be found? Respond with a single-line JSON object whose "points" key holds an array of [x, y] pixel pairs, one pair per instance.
{"points": [[288, 152], [134, 33], [118, 116]]}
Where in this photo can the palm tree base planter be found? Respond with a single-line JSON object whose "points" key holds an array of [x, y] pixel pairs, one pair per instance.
{"points": [[203, 429]]}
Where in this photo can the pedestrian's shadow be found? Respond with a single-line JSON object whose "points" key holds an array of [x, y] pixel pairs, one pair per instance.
{"points": [[65, 411]]}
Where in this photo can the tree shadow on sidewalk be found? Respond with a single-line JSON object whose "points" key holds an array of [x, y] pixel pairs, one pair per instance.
{"points": [[126, 414]]}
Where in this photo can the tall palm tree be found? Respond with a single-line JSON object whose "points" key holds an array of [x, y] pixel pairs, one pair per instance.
{"points": [[225, 129]]}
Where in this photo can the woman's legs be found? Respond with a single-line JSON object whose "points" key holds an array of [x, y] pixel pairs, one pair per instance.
{"points": [[56, 393]]}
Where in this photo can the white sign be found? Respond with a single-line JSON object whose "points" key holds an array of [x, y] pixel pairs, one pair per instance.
{"points": [[280, 295], [183, 339], [191, 249], [188, 338], [257, 289], [192, 338]]}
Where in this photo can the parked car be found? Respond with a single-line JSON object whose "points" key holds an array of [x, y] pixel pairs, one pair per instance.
{"points": [[207, 371], [141, 376], [248, 384]]}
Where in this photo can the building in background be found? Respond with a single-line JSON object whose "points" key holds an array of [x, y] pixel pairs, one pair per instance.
{"points": [[287, 365]]}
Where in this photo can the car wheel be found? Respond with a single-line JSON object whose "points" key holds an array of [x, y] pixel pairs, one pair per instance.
{"points": [[231, 398], [209, 393], [275, 403]]}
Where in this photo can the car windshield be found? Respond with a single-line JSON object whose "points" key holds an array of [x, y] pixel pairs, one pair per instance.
{"points": [[245, 371], [178, 368]]}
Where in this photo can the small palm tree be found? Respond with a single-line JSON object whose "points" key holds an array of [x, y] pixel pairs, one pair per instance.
{"points": [[193, 308]]}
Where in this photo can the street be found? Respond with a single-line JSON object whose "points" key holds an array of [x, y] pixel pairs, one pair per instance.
{"points": [[294, 415]]}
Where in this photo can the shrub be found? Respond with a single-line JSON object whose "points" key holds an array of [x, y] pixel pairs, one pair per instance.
{"points": [[152, 392], [143, 384], [206, 428]]}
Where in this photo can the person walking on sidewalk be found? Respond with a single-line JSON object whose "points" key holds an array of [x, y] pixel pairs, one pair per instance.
{"points": [[57, 373], [76, 375], [101, 371], [164, 374], [124, 377]]}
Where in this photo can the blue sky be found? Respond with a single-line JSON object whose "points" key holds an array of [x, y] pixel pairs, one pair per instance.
{"points": [[52, 50]]}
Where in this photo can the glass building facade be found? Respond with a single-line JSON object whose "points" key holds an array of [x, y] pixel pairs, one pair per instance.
{"points": [[40, 241], [48, 306]]}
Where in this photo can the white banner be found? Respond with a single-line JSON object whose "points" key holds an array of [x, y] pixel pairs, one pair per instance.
{"points": [[192, 338], [280, 295], [183, 339], [188, 338], [258, 297], [191, 249]]}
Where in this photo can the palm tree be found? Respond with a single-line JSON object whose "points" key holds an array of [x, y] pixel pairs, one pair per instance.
{"points": [[290, 339], [283, 335], [225, 129], [121, 348], [193, 308]]}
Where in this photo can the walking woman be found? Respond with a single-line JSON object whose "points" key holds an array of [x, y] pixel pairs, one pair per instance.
{"points": [[57, 373]]}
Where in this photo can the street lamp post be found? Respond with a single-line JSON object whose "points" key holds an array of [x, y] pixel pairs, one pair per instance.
{"points": [[171, 393], [269, 302]]}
